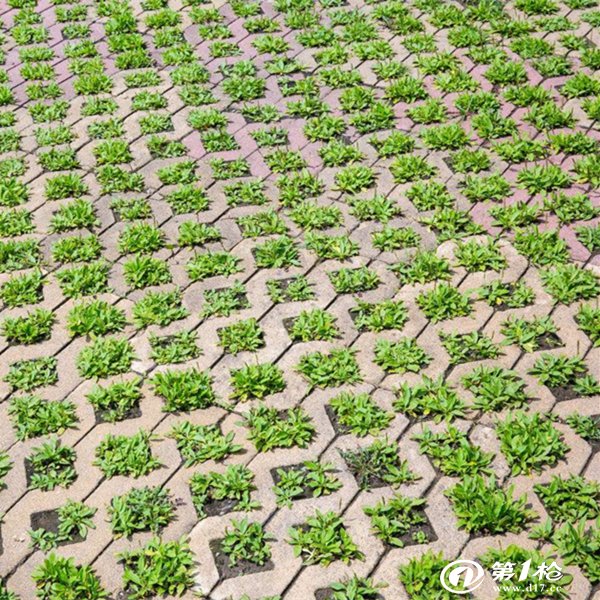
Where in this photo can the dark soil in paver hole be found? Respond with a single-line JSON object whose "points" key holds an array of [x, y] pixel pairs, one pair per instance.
{"points": [[564, 393], [289, 325], [45, 519], [28, 471], [132, 413], [219, 507], [472, 356], [48, 520], [595, 444], [548, 341], [353, 312], [335, 422], [243, 567]]}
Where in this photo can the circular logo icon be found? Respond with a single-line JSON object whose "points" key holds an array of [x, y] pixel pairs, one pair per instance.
{"points": [[462, 576]]}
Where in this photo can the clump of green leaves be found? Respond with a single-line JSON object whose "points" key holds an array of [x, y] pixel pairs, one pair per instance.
{"points": [[144, 271], [572, 499], [105, 356], [326, 247], [27, 375], [495, 388], [312, 325], [353, 280], [380, 316], [140, 509], [424, 267], [96, 317], [199, 443], [506, 295], [482, 506], [158, 568], [159, 308], [51, 465], [241, 336], [246, 541], [126, 455], [541, 247], [443, 302], [57, 578], [586, 427], [35, 326], [588, 319], [529, 442], [322, 540], [277, 253], [256, 381], [74, 519], [117, 400], [377, 465], [397, 520], [421, 577], [576, 545], [212, 264], [529, 335], [453, 453], [20, 290], [468, 347], [223, 302], [589, 236], [310, 479], [400, 357], [184, 390], [359, 414], [270, 428], [559, 370], [177, 348], [430, 397], [295, 289], [392, 238], [359, 588], [475, 256], [568, 283], [5, 466], [335, 368], [576, 207], [33, 417], [232, 488]]}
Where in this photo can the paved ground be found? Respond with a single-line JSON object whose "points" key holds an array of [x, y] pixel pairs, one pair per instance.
{"points": [[361, 209]]}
